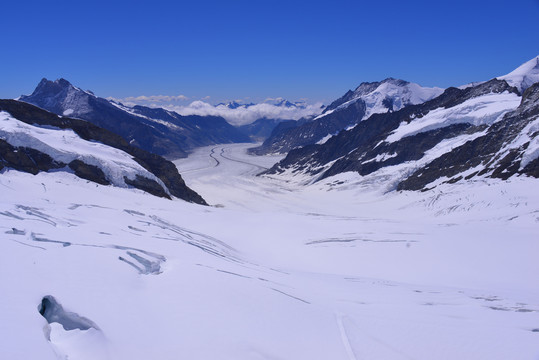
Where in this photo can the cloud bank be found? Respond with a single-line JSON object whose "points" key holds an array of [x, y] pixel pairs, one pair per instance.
{"points": [[241, 115], [248, 114]]}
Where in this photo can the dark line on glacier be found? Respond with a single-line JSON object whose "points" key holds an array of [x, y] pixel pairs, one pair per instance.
{"points": [[293, 297]]}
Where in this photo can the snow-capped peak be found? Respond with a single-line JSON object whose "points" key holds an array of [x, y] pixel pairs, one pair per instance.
{"points": [[393, 95], [383, 96], [235, 104], [282, 102], [524, 76]]}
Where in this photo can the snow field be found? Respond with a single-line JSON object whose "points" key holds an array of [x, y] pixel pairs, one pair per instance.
{"points": [[334, 270]]}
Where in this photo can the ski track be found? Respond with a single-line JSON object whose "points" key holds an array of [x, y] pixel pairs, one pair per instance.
{"points": [[344, 337]]}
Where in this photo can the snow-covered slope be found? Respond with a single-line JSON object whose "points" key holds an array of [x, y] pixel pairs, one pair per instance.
{"points": [[483, 110], [283, 272], [368, 98], [524, 76], [387, 95]]}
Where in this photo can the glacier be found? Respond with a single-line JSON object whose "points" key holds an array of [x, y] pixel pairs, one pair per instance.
{"points": [[273, 270]]}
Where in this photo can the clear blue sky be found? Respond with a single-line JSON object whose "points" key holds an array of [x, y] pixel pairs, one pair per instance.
{"points": [[236, 49]]}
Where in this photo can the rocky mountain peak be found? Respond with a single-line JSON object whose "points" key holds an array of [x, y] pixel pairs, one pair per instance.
{"points": [[48, 87], [59, 97]]}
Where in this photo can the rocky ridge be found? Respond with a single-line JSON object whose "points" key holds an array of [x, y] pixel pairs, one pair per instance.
{"points": [[33, 161]]}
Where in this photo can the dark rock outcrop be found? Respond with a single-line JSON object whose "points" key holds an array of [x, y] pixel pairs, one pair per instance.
{"points": [[148, 185], [88, 172], [26, 159]]}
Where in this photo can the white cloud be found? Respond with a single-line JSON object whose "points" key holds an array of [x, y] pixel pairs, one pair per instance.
{"points": [[239, 116], [246, 115]]}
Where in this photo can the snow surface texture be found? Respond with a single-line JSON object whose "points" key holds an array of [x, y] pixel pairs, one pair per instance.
{"points": [[66, 146], [273, 271], [524, 76]]}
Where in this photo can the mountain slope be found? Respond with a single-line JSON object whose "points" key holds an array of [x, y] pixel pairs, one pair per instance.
{"points": [[261, 129], [509, 147], [34, 140], [155, 130], [195, 130], [397, 145], [368, 98]]}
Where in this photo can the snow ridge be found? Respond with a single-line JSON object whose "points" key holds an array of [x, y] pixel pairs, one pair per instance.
{"points": [[524, 76]]}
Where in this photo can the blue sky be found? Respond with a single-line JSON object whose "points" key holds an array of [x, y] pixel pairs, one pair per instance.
{"points": [[257, 49]]}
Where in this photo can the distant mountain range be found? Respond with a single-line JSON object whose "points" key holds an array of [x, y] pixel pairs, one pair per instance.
{"points": [[488, 129], [240, 113], [159, 131], [278, 102]]}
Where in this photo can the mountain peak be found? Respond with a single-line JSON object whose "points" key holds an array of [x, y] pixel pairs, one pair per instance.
{"points": [[389, 94], [60, 97], [46, 85], [62, 81], [58, 82]]}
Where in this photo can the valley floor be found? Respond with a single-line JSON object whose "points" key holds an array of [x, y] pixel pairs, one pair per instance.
{"points": [[273, 270]]}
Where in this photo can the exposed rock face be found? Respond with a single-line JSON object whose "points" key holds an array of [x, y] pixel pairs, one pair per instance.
{"points": [[155, 130], [499, 148], [89, 172], [25, 159], [148, 185], [34, 161]]}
